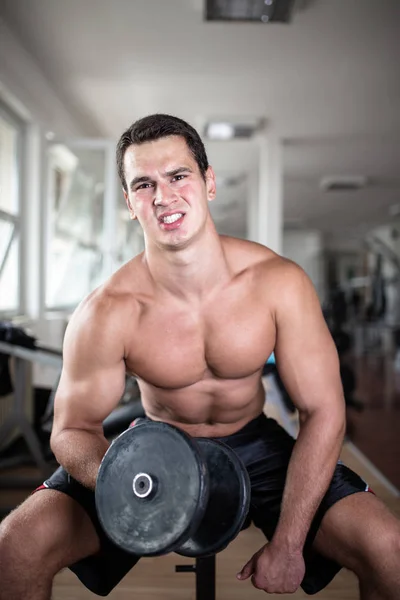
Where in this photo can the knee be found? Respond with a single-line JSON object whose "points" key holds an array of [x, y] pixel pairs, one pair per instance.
{"points": [[20, 543], [387, 542], [11, 543], [382, 551], [389, 546]]}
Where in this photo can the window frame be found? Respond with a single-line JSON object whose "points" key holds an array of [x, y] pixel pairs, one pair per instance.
{"points": [[17, 219]]}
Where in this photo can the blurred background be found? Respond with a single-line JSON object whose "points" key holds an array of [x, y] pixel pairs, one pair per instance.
{"points": [[298, 104]]}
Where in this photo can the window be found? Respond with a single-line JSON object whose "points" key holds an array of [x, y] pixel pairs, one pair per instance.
{"points": [[11, 131], [89, 233], [76, 226], [129, 237]]}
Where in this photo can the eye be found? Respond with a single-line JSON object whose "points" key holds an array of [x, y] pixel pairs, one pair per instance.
{"points": [[143, 186], [179, 177]]}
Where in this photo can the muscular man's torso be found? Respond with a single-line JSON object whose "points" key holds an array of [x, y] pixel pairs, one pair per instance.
{"points": [[199, 363]]}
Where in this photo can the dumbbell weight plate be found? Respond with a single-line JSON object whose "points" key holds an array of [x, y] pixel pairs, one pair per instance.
{"points": [[152, 489], [228, 503]]}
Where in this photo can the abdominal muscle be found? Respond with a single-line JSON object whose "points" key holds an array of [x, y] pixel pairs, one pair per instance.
{"points": [[208, 408]]}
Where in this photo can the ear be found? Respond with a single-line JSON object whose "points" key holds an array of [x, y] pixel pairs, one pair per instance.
{"points": [[129, 205], [210, 184]]}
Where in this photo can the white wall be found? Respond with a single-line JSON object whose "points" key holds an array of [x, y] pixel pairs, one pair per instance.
{"points": [[306, 249], [24, 86]]}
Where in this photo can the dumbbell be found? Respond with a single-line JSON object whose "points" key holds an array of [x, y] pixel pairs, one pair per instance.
{"points": [[159, 490]]}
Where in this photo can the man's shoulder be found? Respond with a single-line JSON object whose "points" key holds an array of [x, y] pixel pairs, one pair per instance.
{"points": [[116, 299], [246, 254], [283, 278]]}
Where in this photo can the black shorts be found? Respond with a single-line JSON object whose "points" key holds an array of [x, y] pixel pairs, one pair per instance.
{"points": [[265, 449]]}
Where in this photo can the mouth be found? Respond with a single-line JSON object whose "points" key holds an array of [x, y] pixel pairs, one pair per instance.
{"points": [[171, 221]]}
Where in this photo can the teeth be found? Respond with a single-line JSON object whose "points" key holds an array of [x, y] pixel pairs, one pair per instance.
{"points": [[172, 218]]}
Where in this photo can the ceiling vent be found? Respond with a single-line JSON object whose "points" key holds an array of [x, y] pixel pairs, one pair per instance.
{"points": [[266, 11], [293, 223], [345, 183], [230, 180]]}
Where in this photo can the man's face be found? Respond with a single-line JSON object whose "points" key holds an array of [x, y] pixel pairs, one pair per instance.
{"points": [[166, 191]]}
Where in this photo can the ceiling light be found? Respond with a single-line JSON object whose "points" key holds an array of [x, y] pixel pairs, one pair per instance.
{"points": [[236, 128], [220, 131]]}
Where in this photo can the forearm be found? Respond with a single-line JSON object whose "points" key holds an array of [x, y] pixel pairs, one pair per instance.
{"points": [[310, 471], [80, 452]]}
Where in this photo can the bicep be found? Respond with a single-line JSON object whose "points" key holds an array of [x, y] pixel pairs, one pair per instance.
{"points": [[305, 353], [92, 381]]}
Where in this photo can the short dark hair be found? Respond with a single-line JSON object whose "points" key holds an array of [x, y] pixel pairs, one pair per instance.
{"points": [[154, 127]]}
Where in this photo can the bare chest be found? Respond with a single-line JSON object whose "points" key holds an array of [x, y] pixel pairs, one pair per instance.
{"points": [[178, 348]]}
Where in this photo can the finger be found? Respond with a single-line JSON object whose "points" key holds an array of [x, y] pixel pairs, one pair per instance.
{"points": [[257, 582], [247, 570]]}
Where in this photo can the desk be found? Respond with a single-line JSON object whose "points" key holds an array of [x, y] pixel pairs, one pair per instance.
{"points": [[22, 381]]}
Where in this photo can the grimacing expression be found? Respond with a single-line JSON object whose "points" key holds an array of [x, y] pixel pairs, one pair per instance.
{"points": [[166, 191]]}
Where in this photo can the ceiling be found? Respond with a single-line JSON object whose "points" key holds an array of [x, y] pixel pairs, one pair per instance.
{"points": [[328, 83]]}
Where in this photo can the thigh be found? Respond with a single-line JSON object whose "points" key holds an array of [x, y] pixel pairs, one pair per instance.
{"points": [[50, 529], [358, 531], [266, 451], [101, 569], [265, 448]]}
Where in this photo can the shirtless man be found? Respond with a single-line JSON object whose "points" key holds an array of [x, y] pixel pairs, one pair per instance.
{"points": [[194, 318]]}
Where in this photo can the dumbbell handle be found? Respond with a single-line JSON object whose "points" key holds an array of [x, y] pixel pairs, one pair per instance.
{"points": [[185, 568]]}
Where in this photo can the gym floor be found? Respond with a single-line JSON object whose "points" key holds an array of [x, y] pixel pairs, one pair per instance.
{"points": [[373, 432]]}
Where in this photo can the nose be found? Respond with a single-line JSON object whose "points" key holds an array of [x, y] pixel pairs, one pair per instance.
{"points": [[163, 195]]}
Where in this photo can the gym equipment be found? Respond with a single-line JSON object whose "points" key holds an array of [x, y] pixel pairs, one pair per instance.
{"points": [[158, 490], [151, 489], [228, 501], [205, 571]]}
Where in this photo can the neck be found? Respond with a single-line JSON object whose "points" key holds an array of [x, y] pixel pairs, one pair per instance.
{"points": [[191, 272]]}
